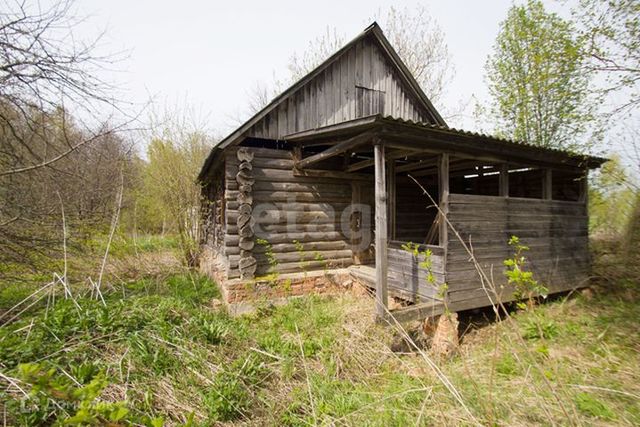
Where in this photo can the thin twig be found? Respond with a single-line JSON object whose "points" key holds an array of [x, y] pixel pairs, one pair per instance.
{"points": [[306, 372], [114, 225], [498, 305]]}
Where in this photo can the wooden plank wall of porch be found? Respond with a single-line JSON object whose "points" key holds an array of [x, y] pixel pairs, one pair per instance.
{"points": [[420, 159]]}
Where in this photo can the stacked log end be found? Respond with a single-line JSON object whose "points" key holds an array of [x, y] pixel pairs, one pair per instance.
{"points": [[247, 264]]}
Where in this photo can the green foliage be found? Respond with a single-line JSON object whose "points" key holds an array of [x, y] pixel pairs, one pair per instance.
{"points": [[593, 407], [312, 361], [540, 89], [632, 235], [272, 275], [229, 397], [506, 365], [612, 31], [170, 190], [317, 256], [124, 245], [426, 263], [268, 252], [611, 199], [76, 404], [539, 328], [302, 254], [526, 287]]}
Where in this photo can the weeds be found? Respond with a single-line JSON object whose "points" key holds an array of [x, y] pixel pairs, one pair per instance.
{"points": [[427, 265], [157, 353], [526, 287]]}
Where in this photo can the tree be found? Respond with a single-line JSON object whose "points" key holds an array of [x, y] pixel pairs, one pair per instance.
{"points": [[611, 29], [414, 34], [176, 153], [421, 44], [49, 158], [44, 66], [612, 195], [83, 184], [539, 86]]}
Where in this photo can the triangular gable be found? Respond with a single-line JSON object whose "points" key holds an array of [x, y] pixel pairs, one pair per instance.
{"points": [[366, 77]]}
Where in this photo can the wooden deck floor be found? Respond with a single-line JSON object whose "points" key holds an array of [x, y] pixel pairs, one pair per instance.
{"points": [[365, 274]]}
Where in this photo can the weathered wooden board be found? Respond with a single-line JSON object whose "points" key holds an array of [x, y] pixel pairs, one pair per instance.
{"points": [[405, 273], [555, 231], [359, 83]]}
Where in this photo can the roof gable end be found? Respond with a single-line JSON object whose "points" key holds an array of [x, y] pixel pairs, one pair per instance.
{"points": [[364, 78]]}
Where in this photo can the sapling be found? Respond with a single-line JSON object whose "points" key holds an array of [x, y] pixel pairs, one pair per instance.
{"points": [[526, 287], [427, 264]]}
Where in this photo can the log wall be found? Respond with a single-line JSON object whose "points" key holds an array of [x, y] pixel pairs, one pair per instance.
{"points": [[287, 209], [213, 212], [555, 231]]}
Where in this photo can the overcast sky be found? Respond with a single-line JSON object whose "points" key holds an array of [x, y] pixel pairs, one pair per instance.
{"points": [[209, 54]]}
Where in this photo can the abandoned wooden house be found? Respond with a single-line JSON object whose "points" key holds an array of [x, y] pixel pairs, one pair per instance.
{"points": [[291, 194]]}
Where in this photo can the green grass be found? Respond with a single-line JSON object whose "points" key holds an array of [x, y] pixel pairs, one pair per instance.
{"points": [[161, 352]]}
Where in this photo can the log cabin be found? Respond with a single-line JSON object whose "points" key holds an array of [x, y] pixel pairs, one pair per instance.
{"points": [[351, 174]]}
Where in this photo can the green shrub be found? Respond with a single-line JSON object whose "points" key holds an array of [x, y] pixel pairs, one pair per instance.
{"points": [[55, 399], [526, 287]]}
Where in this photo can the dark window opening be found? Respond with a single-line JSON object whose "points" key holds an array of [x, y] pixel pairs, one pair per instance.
{"points": [[416, 216], [526, 182], [566, 185], [483, 180], [267, 143]]}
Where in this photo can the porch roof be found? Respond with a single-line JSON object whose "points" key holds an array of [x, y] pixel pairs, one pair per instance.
{"points": [[407, 134]]}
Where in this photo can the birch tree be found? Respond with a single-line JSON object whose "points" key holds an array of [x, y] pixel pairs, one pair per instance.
{"points": [[538, 82]]}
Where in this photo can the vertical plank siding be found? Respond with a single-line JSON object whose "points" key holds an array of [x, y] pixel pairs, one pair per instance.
{"points": [[408, 279], [359, 84], [555, 231], [286, 209]]}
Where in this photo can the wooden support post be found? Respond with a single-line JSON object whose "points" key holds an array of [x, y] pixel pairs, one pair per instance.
{"points": [[504, 180], [355, 225], [391, 185], [443, 189], [381, 230], [547, 184], [584, 188]]}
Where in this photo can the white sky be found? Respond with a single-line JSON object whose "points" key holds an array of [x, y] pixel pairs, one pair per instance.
{"points": [[209, 54]]}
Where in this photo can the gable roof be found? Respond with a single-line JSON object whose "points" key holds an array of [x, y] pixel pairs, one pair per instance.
{"points": [[375, 33]]}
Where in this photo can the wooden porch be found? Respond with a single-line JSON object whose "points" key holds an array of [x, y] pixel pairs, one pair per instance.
{"points": [[473, 164]]}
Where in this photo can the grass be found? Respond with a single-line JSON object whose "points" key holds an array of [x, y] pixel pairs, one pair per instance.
{"points": [[162, 352]]}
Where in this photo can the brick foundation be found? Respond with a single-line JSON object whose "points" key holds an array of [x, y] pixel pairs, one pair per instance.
{"points": [[242, 296]]}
